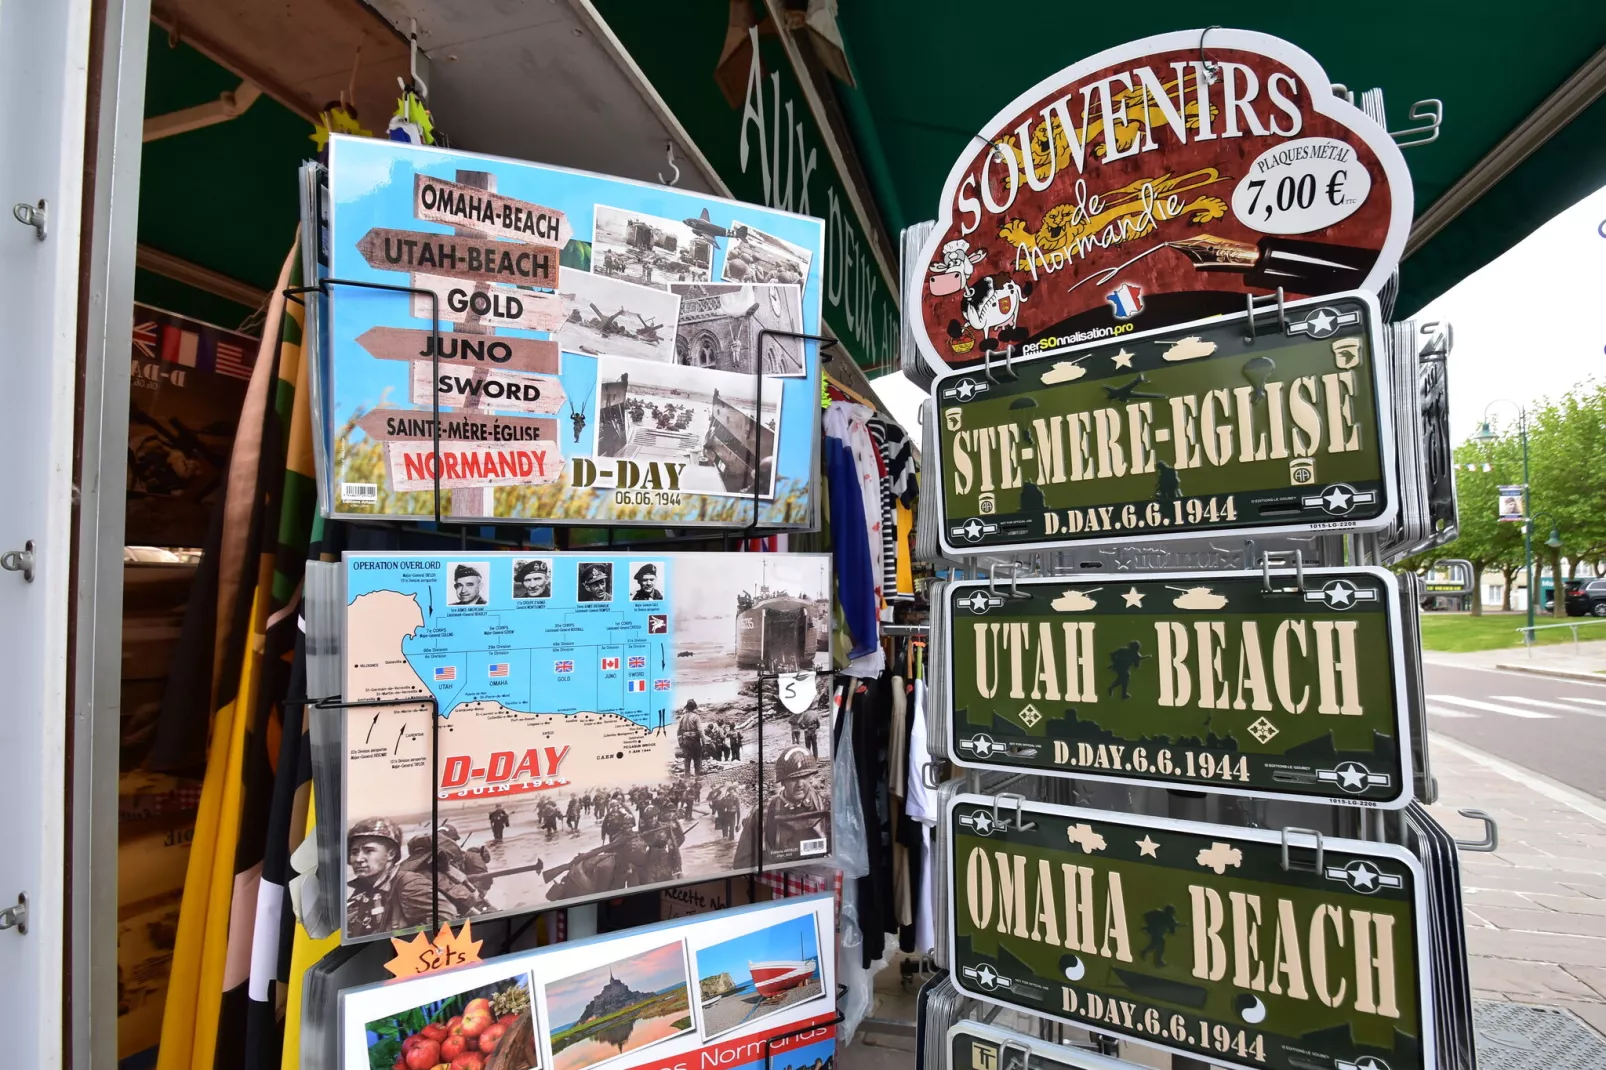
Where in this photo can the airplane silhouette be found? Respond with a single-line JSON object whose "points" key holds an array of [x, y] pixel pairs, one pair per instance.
{"points": [[707, 229], [1129, 391]]}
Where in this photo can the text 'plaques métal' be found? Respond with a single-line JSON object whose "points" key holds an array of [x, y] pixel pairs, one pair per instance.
{"points": [[1208, 681], [1197, 428], [1221, 944]]}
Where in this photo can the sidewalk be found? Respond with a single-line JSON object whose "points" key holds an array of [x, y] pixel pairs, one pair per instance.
{"points": [[1588, 662], [1536, 908]]}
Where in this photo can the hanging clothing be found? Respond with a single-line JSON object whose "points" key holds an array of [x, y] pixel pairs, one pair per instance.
{"points": [[846, 423], [855, 583]]}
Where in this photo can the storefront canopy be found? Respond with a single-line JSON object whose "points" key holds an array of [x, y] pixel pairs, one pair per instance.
{"points": [[1523, 134]]}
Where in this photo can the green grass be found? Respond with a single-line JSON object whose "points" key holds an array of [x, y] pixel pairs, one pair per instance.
{"points": [[1461, 632]]}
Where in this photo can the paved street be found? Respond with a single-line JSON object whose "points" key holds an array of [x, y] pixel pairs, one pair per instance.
{"points": [[1552, 726]]}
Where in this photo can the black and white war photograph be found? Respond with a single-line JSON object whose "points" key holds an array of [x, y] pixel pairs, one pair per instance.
{"points": [[466, 583], [722, 326], [754, 256], [699, 417], [602, 314], [594, 803], [532, 578], [648, 249]]}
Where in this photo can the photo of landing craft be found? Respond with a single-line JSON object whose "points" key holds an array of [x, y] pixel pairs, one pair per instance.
{"points": [[775, 632], [730, 447]]}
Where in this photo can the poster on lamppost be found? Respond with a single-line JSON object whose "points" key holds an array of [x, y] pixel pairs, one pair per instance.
{"points": [[605, 722], [1283, 425], [1158, 182], [1212, 681], [1239, 947], [1513, 505], [609, 351]]}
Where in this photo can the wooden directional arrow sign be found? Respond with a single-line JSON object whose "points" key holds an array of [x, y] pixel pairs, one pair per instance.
{"points": [[496, 306], [476, 388], [1232, 946], [1206, 427], [1204, 680], [439, 201], [412, 425], [457, 350], [452, 256]]}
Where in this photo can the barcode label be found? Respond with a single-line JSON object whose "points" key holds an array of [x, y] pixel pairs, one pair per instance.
{"points": [[812, 847], [359, 492]]}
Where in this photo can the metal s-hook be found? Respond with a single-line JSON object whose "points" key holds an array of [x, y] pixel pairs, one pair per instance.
{"points": [[1212, 69], [673, 166]]}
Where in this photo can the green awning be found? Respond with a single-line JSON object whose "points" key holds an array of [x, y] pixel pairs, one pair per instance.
{"points": [[931, 72]]}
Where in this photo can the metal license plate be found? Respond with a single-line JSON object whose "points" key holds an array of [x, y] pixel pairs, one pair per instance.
{"points": [[1205, 427], [1221, 944], [1207, 681], [974, 1046]]}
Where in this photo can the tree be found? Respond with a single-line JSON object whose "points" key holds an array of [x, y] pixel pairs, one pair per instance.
{"points": [[1567, 460], [1483, 540]]}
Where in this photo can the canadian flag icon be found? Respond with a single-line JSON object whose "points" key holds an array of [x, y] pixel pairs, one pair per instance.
{"points": [[609, 663]]}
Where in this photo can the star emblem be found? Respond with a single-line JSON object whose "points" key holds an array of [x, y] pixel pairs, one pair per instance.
{"points": [[1338, 499], [1351, 777], [965, 390], [1322, 322], [983, 746], [1339, 594], [1133, 597], [1147, 848], [978, 602], [984, 823], [1123, 359], [986, 976], [973, 529], [1371, 1063], [1362, 876]]}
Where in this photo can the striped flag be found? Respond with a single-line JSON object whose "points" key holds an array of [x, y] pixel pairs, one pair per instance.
{"points": [[233, 360], [445, 672], [636, 685], [498, 670], [179, 346]]}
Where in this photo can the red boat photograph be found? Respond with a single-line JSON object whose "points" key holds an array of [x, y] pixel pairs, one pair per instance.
{"points": [[759, 974]]}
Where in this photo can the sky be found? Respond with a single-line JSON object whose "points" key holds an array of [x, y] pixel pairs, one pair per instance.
{"points": [[1529, 325], [779, 942], [649, 972]]}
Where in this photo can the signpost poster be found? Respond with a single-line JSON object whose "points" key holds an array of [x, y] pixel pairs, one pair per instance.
{"points": [[606, 356], [1513, 502]]}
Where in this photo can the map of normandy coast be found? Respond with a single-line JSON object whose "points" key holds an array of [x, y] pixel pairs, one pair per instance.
{"points": [[388, 748]]}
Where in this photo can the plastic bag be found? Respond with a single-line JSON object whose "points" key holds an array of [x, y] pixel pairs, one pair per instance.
{"points": [[847, 818]]}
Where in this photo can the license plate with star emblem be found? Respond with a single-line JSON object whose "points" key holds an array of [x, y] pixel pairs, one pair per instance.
{"points": [[1281, 426], [1237, 947], [1286, 684]]}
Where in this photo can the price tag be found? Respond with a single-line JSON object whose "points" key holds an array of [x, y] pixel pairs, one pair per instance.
{"points": [[1301, 186]]}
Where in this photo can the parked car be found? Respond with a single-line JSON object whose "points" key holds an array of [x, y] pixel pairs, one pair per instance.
{"points": [[1586, 598]]}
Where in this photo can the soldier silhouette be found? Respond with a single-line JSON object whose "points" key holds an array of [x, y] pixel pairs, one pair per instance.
{"points": [[1159, 924], [1122, 661], [1168, 486]]}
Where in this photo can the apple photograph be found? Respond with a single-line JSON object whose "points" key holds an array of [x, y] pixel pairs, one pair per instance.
{"points": [[486, 1028], [758, 974], [616, 1007]]}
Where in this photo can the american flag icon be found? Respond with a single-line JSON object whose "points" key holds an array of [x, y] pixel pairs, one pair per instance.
{"points": [[231, 360], [498, 669], [638, 663], [609, 664], [563, 666], [660, 685], [636, 685], [445, 672]]}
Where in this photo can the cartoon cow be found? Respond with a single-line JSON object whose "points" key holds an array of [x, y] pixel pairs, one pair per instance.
{"points": [[952, 273], [991, 304]]}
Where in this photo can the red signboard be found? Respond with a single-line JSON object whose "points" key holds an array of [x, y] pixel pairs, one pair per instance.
{"points": [[1158, 182]]}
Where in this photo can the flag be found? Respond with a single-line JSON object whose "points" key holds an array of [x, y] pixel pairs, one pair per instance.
{"points": [[179, 346], [660, 685], [230, 359], [636, 685], [498, 670], [637, 662], [145, 338], [563, 666], [610, 664], [445, 672]]}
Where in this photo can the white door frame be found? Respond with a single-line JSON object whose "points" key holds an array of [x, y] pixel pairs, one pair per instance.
{"points": [[111, 209]]}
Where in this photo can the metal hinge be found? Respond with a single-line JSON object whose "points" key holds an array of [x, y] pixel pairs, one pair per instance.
{"points": [[16, 917], [19, 560]]}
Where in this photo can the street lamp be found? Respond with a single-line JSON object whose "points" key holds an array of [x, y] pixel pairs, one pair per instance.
{"points": [[1555, 544], [1486, 434]]}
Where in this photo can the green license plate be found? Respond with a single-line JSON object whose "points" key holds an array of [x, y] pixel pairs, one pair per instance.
{"points": [[1198, 428], [1206, 681], [1221, 944]]}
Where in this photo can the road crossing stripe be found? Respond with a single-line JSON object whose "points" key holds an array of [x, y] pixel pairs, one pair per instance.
{"points": [[1441, 711], [1491, 707], [1580, 698], [1542, 703]]}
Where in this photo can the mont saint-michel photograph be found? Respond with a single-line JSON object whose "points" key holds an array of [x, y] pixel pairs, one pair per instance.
{"points": [[606, 1010]]}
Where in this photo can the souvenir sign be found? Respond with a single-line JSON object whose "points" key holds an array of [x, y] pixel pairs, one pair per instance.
{"points": [[974, 1046], [1220, 944], [604, 357], [605, 722], [1205, 680], [1155, 183], [723, 990], [1199, 428]]}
